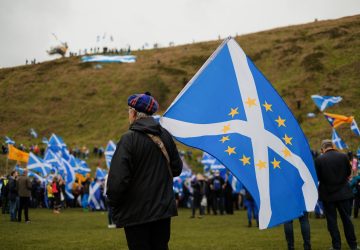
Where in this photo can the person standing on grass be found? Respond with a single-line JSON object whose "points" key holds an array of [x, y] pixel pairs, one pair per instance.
{"points": [[23, 186], [13, 195], [305, 232], [140, 181], [333, 170], [56, 192]]}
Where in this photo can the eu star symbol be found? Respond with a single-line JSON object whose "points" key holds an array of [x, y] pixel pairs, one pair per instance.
{"points": [[267, 106], [250, 102], [224, 139], [233, 112], [245, 160], [280, 122], [287, 139], [275, 163], [286, 152], [226, 128], [261, 164], [230, 150]]}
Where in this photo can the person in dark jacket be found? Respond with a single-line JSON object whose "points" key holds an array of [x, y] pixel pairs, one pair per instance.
{"points": [[333, 170], [140, 181], [13, 194]]}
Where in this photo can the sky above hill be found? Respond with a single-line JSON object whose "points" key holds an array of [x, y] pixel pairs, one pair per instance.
{"points": [[27, 27]]}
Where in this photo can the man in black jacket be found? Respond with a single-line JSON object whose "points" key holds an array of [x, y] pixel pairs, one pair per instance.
{"points": [[139, 187], [333, 170]]}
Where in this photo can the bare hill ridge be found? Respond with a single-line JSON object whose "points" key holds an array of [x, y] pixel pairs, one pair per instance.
{"points": [[88, 105]]}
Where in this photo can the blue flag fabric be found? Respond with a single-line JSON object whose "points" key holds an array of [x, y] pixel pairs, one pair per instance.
{"points": [[9, 141], [354, 127], [56, 143], [69, 179], [100, 174], [95, 196], [323, 102], [38, 165], [235, 184], [109, 152], [338, 142], [231, 111], [33, 133]]}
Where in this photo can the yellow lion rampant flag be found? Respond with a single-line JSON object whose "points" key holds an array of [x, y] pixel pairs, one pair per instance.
{"points": [[17, 155]]}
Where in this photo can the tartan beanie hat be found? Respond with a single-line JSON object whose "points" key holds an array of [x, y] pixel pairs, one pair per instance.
{"points": [[143, 103]]}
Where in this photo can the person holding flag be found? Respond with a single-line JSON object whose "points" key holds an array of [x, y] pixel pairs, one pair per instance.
{"points": [[140, 181]]}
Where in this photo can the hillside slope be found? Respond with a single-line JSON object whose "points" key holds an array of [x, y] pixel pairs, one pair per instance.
{"points": [[86, 105]]}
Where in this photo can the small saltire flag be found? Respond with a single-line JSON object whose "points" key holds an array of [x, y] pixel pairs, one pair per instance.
{"points": [[17, 155], [100, 174], [9, 141], [231, 111], [336, 120], [354, 127], [45, 140], [323, 102], [33, 133], [95, 201], [38, 165], [109, 152], [56, 143], [338, 142]]}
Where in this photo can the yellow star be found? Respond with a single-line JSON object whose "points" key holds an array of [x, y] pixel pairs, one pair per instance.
{"points": [[233, 112], [224, 139], [286, 152], [267, 106], [275, 163], [261, 164], [245, 160], [230, 150], [287, 139], [250, 102], [226, 128], [281, 122]]}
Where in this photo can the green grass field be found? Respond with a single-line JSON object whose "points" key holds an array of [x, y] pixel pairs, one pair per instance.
{"points": [[75, 229]]}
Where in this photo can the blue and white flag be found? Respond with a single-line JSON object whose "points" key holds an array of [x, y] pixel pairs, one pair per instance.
{"points": [[69, 179], [100, 174], [55, 161], [33, 133], [354, 127], [109, 152], [323, 102], [235, 184], [109, 59], [45, 140], [56, 143], [338, 142], [230, 110], [81, 167], [9, 141], [95, 199], [38, 165], [30, 174]]}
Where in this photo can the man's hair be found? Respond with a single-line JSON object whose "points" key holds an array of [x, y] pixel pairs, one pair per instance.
{"points": [[13, 172], [140, 115], [325, 144]]}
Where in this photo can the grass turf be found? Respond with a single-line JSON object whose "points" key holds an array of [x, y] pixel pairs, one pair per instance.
{"points": [[75, 229]]}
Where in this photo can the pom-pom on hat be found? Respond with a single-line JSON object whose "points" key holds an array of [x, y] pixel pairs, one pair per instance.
{"points": [[143, 103]]}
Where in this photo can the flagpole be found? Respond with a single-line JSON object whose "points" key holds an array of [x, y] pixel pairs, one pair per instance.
{"points": [[7, 162]]}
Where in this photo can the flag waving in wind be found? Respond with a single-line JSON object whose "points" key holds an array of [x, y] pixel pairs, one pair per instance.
{"points": [[336, 120], [339, 143], [322, 102], [231, 111]]}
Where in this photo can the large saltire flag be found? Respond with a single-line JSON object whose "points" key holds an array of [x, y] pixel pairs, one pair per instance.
{"points": [[38, 165], [337, 141], [230, 110], [69, 178], [56, 143], [336, 120], [17, 155], [109, 152], [323, 102], [95, 201], [55, 161]]}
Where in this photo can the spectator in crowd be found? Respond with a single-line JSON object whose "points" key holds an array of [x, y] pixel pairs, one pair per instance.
{"points": [[86, 189], [252, 210], [140, 182], [56, 191], [333, 170], [305, 232], [217, 186], [228, 197], [199, 186], [50, 195], [355, 185], [13, 195], [23, 186], [5, 196]]}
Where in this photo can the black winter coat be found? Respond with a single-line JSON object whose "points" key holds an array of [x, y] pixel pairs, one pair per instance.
{"points": [[139, 187], [12, 189], [333, 170]]}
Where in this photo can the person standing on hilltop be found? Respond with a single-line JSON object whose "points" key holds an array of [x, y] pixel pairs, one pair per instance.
{"points": [[140, 181]]}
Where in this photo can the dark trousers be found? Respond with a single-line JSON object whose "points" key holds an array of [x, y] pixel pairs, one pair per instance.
{"points": [[149, 236], [24, 204], [356, 205], [344, 209], [305, 231], [218, 203]]}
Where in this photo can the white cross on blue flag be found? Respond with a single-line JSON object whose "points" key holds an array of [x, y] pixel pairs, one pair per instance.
{"points": [[231, 111]]}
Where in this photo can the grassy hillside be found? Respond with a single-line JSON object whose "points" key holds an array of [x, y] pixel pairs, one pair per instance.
{"points": [[86, 105]]}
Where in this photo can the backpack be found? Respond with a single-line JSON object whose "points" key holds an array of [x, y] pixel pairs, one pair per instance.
{"points": [[217, 184]]}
